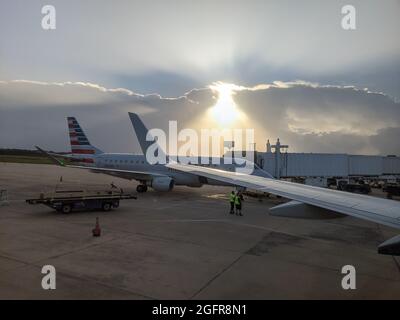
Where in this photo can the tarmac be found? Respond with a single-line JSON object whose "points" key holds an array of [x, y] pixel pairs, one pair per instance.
{"points": [[182, 244]]}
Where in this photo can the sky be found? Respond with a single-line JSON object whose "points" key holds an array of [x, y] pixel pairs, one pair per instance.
{"points": [[295, 73]]}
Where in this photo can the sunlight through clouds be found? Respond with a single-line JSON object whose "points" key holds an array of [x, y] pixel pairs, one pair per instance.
{"points": [[225, 111]]}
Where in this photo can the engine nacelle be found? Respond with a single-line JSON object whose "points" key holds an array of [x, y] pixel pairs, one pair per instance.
{"points": [[162, 184]]}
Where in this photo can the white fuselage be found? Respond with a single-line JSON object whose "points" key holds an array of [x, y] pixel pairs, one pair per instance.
{"points": [[132, 162]]}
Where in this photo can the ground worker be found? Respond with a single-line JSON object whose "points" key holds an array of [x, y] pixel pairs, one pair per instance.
{"points": [[232, 201], [238, 204]]}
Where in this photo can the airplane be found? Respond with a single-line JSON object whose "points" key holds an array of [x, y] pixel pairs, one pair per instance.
{"points": [[132, 166], [307, 202]]}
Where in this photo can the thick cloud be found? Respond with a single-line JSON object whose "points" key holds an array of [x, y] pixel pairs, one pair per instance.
{"points": [[308, 117], [34, 113]]}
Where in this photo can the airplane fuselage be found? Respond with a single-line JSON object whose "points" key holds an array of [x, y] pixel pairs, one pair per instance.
{"points": [[158, 176], [132, 162]]}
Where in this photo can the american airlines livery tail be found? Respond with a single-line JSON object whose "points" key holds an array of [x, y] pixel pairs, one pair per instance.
{"points": [[82, 150]]}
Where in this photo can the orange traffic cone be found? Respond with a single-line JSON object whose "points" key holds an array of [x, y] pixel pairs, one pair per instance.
{"points": [[96, 231]]}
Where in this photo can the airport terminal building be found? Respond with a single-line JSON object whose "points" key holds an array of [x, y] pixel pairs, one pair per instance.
{"points": [[290, 165]]}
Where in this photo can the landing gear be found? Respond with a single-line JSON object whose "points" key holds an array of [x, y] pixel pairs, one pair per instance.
{"points": [[141, 188]]}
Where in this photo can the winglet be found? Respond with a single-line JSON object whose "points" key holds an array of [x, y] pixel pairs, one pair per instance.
{"points": [[51, 157]]}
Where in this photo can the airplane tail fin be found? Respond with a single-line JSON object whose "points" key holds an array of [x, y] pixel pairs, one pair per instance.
{"points": [[141, 133], [81, 148]]}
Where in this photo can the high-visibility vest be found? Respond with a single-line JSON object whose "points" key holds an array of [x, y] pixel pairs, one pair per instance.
{"points": [[232, 198], [237, 200]]}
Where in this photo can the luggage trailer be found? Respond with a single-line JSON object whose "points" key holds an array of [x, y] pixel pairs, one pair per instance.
{"points": [[69, 200]]}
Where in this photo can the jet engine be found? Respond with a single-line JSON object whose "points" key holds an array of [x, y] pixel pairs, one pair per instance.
{"points": [[162, 183]]}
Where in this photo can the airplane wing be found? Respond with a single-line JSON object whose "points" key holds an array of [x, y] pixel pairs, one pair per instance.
{"points": [[383, 211], [126, 174]]}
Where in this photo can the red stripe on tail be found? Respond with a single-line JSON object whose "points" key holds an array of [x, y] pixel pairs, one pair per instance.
{"points": [[86, 160], [83, 151]]}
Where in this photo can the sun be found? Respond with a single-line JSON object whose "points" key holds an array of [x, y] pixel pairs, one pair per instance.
{"points": [[225, 111]]}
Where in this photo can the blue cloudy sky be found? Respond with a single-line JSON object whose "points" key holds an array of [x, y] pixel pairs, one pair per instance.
{"points": [[303, 78]]}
